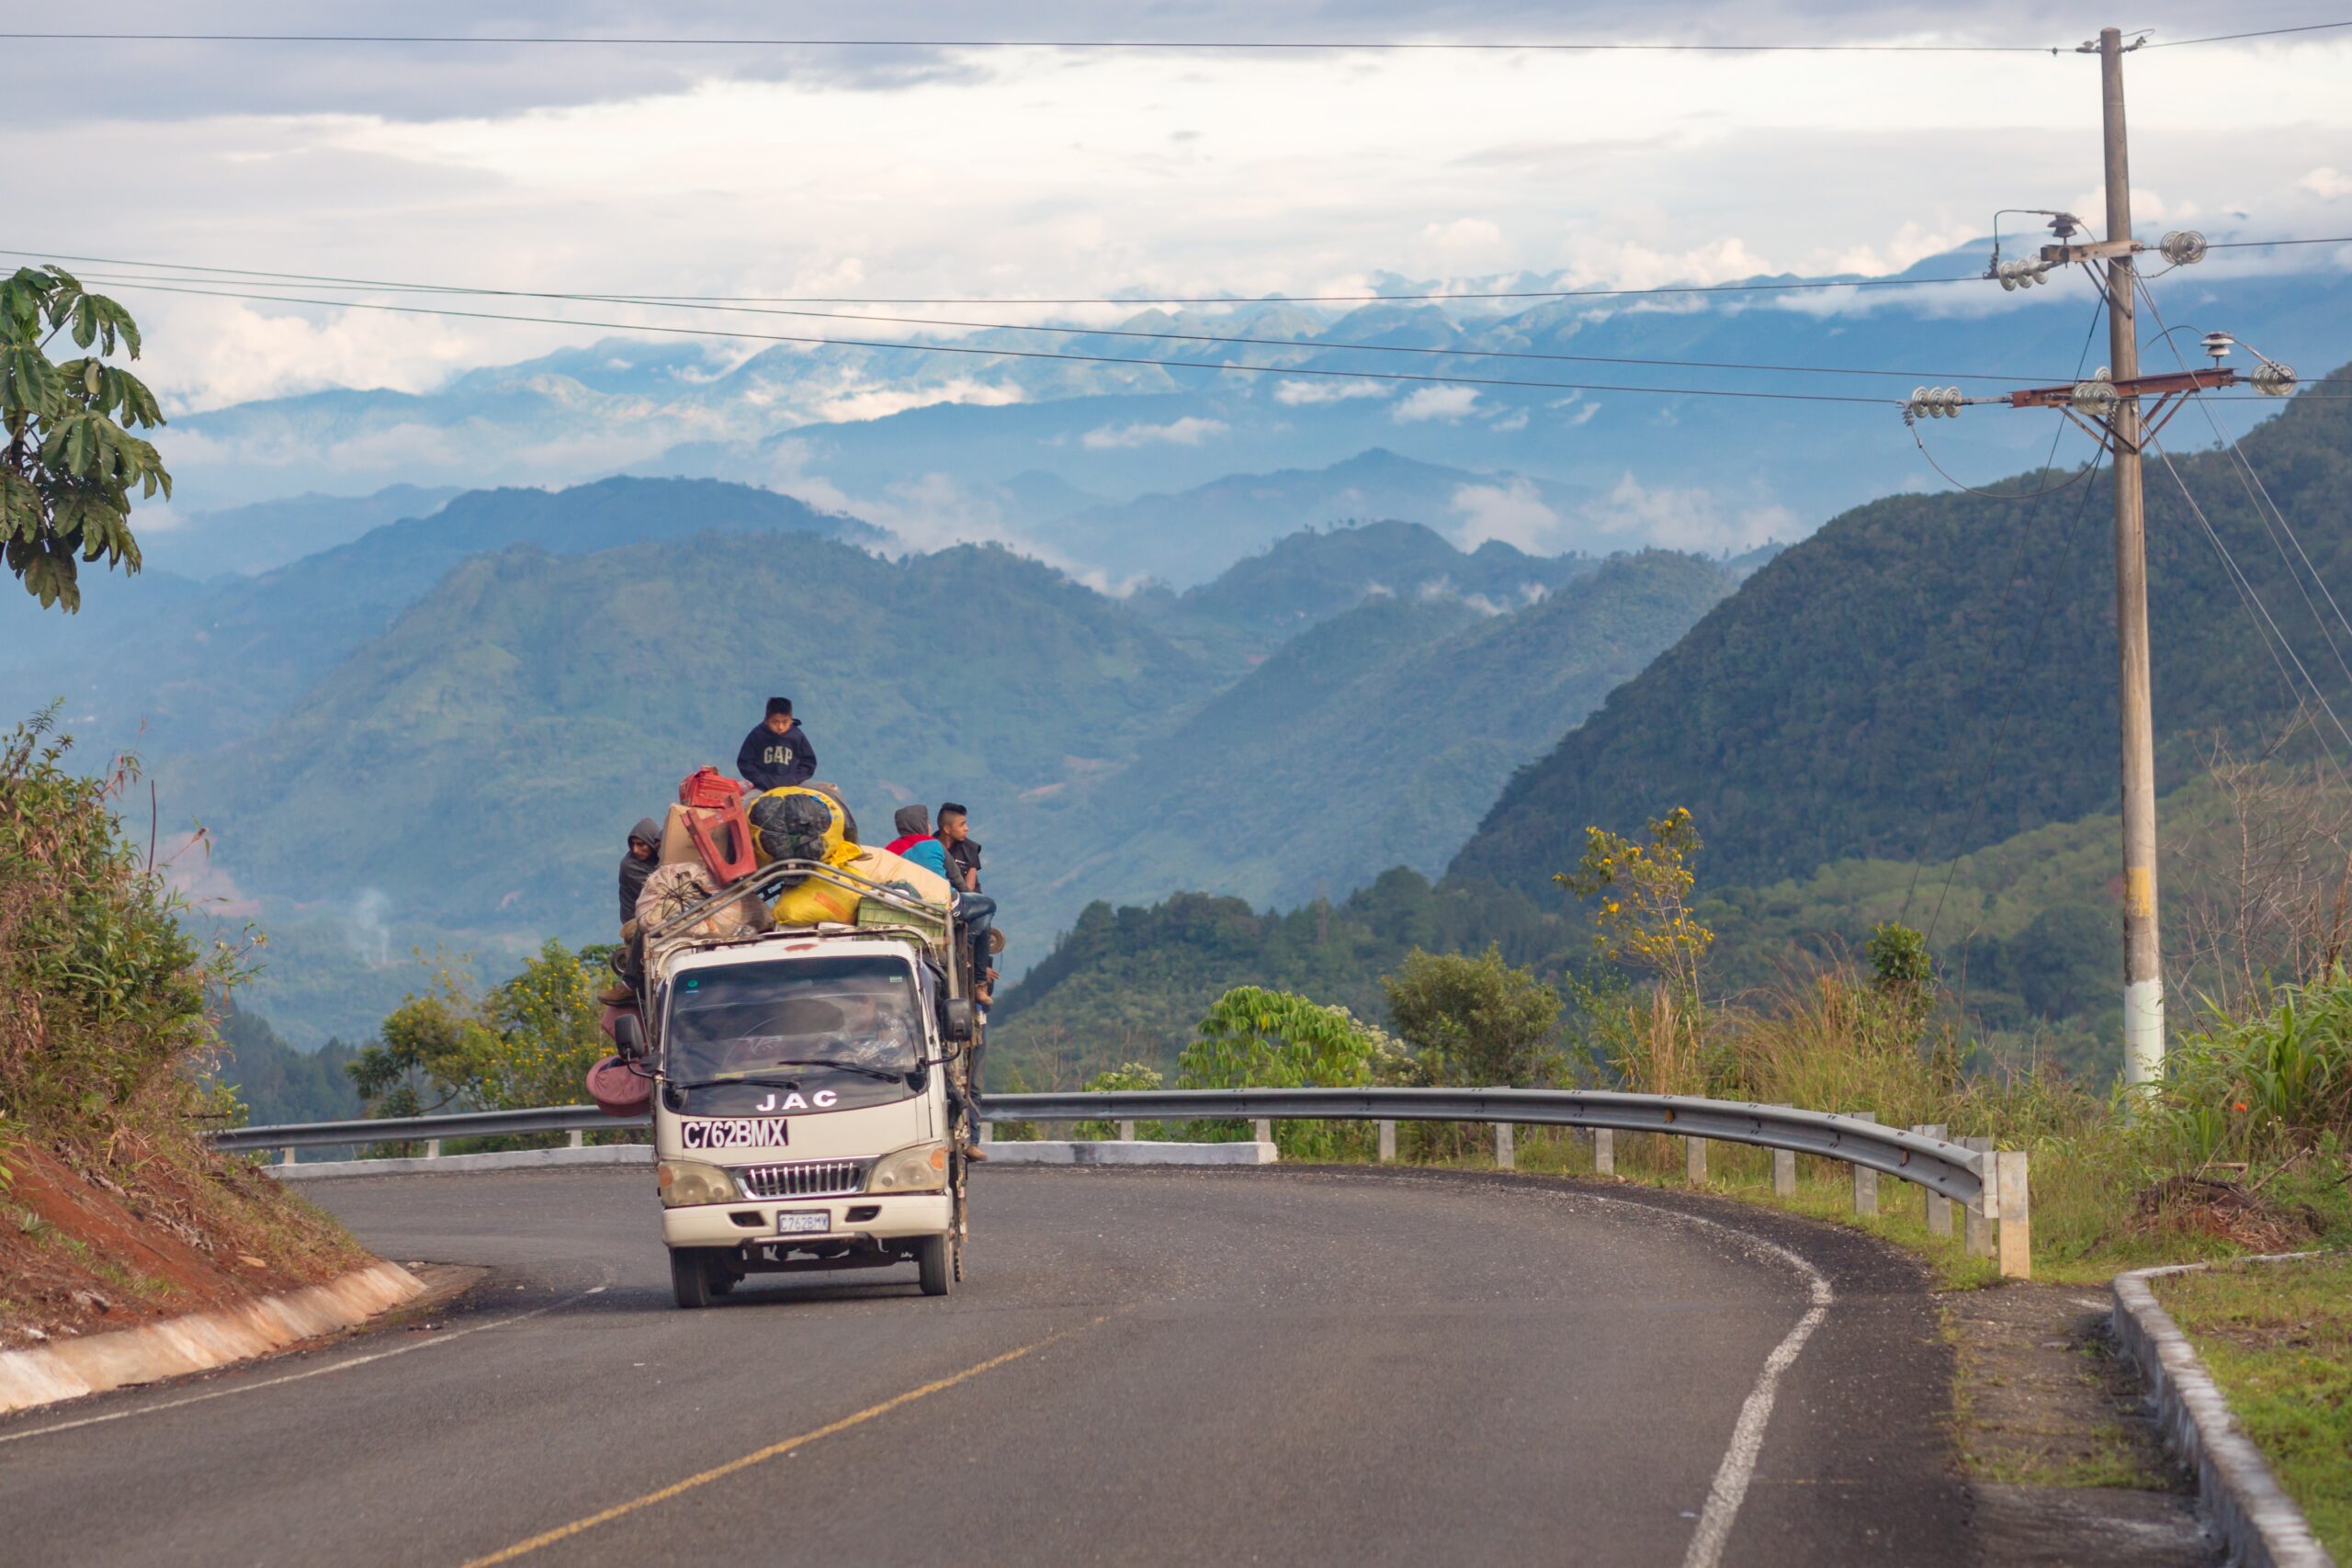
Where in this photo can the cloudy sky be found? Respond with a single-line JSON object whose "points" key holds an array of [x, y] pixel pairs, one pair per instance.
{"points": [[1045, 171]]}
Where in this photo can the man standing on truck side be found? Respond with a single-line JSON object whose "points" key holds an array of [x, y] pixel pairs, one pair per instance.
{"points": [[776, 753]]}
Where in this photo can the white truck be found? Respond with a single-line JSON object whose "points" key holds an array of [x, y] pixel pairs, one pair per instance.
{"points": [[807, 1082]]}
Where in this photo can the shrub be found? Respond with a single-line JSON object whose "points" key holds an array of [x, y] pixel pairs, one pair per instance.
{"points": [[1260, 1039]]}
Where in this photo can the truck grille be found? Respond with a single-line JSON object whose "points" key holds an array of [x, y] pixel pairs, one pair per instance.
{"points": [[803, 1178]]}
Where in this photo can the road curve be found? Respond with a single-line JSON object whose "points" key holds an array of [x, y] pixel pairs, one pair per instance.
{"points": [[1273, 1366]]}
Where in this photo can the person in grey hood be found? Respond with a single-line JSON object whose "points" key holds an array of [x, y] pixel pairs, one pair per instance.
{"points": [[644, 854]]}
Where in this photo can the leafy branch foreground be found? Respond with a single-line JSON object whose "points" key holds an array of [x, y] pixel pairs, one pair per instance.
{"points": [[104, 1031]]}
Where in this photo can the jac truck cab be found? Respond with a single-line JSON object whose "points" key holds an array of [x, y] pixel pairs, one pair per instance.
{"points": [[805, 1088]]}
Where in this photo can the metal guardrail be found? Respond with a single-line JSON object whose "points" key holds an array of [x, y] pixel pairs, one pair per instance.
{"points": [[1990, 1186], [1940, 1165], [1944, 1167], [421, 1129]]}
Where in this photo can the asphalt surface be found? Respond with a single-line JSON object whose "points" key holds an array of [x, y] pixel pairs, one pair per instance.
{"points": [[1276, 1366]]}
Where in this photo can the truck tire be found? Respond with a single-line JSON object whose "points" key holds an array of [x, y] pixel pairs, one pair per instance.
{"points": [[690, 1277], [933, 1267]]}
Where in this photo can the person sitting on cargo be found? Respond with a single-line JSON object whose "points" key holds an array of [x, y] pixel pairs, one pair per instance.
{"points": [[776, 753], [962, 851], [644, 854], [915, 843]]}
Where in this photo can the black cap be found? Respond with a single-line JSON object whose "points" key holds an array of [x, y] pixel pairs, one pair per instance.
{"points": [[779, 705]]}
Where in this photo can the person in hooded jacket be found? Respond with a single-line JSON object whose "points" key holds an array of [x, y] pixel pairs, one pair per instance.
{"points": [[915, 842], [777, 753], [644, 856]]}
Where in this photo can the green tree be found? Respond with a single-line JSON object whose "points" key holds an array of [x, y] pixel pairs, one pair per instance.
{"points": [[529, 1042], [71, 460], [1476, 1021], [1255, 1038]]}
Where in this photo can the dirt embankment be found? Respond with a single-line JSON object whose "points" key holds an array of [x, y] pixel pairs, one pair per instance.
{"points": [[81, 1252]]}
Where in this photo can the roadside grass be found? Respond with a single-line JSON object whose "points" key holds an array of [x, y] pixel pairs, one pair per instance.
{"points": [[2278, 1338]]}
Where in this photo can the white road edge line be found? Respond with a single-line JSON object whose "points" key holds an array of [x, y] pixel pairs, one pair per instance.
{"points": [[298, 1377], [1729, 1488]]}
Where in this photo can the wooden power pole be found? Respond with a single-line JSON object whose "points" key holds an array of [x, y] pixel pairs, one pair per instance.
{"points": [[2143, 989]]}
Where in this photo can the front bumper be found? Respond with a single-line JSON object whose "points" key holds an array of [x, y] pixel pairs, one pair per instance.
{"points": [[894, 1215]]}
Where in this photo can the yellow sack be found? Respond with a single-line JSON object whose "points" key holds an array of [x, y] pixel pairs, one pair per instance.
{"points": [[816, 900]]}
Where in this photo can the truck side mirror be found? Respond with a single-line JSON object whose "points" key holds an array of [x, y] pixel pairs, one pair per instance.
{"points": [[629, 1037], [957, 1020]]}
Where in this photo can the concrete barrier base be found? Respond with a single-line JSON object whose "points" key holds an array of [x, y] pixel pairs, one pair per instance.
{"points": [[1111, 1151], [200, 1341], [452, 1165]]}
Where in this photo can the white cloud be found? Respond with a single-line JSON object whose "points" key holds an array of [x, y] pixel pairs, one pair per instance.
{"points": [[1515, 514], [1581, 415], [1305, 394], [1511, 423], [2326, 184], [1690, 519], [1188, 431], [1436, 403]]}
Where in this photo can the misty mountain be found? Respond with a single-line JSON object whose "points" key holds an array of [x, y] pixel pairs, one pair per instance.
{"points": [[177, 666], [932, 447], [249, 539]]}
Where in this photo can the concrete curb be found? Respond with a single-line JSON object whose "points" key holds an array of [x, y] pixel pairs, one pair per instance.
{"points": [[452, 1165], [2259, 1525], [200, 1341], [1116, 1151]]}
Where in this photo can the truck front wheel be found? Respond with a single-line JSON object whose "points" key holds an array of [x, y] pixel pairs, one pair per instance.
{"points": [[690, 1276], [933, 1265]]}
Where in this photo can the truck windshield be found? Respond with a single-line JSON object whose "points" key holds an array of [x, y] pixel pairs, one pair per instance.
{"points": [[857, 1012]]}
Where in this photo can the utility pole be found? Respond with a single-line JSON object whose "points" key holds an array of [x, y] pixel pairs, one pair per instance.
{"points": [[2110, 408], [2143, 986]]}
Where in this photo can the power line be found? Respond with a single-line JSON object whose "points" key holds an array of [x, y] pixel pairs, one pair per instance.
{"points": [[888, 346], [1313, 345], [2242, 244], [1434, 295], [2265, 32], [1394, 45]]}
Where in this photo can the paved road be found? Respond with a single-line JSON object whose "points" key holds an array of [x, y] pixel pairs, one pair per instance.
{"points": [[1275, 1367]]}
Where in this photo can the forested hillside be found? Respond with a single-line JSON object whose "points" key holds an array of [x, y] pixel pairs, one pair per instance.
{"points": [[1846, 702], [1372, 740]]}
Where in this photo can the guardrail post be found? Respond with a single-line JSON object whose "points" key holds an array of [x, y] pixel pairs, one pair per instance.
{"points": [[1976, 1226], [1126, 1132], [1263, 1130], [287, 1156], [1506, 1147], [1387, 1143], [1865, 1178], [2016, 1219], [578, 1139], [1939, 1206], [1604, 1151], [1694, 1161], [432, 1148], [1784, 1167]]}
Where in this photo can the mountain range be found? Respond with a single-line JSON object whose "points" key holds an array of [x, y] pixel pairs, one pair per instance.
{"points": [[1045, 454]]}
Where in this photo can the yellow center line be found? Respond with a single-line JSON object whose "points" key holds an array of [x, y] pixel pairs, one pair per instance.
{"points": [[761, 1456]]}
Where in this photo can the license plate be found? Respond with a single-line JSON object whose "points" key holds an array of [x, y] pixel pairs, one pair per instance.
{"points": [[732, 1133], [803, 1223]]}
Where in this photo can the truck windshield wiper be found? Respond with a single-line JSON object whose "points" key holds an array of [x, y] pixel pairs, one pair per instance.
{"points": [[768, 1073]]}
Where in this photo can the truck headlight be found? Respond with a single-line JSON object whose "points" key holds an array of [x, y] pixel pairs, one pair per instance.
{"points": [[686, 1181], [922, 1168]]}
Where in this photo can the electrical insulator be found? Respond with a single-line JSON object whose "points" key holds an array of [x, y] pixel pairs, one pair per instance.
{"points": [[2273, 380], [2183, 246], [2218, 345], [2096, 395], [1935, 402], [2015, 274]]}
